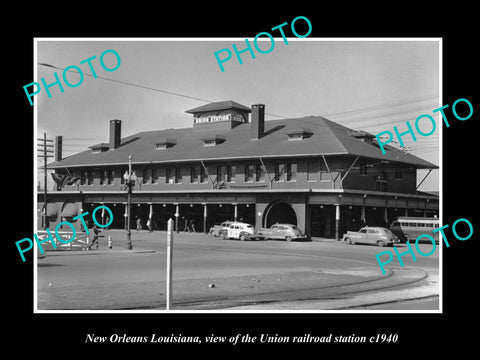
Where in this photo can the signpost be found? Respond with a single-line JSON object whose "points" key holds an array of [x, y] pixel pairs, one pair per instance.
{"points": [[169, 261]]}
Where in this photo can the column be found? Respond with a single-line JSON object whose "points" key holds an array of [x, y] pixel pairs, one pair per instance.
{"points": [[204, 218], [103, 214], [235, 212], [385, 216], [150, 217], [337, 222], [177, 215]]}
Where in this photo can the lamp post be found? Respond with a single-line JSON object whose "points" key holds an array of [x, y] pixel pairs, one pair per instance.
{"points": [[130, 179]]}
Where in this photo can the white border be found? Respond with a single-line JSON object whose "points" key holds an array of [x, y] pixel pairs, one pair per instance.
{"points": [[175, 39]]}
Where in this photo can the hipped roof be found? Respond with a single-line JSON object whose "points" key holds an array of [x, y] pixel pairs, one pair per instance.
{"points": [[328, 138]]}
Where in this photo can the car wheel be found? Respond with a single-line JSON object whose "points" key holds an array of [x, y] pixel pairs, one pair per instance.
{"points": [[406, 238], [242, 237], [288, 238], [380, 243], [222, 236], [348, 241]]}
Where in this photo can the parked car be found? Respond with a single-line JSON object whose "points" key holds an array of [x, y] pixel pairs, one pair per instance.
{"points": [[238, 230], [215, 230], [288, 232], [371, 235]]}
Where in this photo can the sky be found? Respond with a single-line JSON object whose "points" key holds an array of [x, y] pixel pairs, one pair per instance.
{"points": [[366, 85]]}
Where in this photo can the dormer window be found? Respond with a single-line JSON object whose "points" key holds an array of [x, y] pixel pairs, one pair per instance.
{"points": [[165, 144], [299, 134], [99, 148], [213, 140], [362, 136]]}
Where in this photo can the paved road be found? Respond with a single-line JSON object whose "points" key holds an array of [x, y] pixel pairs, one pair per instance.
{"points": [[213, 274]]}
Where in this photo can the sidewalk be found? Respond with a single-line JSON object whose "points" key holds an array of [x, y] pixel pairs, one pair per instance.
{"points": [[97, 252]]}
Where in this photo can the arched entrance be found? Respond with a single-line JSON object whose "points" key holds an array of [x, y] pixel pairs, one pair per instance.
{"points": [[279, 212]]}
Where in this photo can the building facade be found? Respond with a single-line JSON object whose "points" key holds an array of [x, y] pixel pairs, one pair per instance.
{"points": [[233, 165]]}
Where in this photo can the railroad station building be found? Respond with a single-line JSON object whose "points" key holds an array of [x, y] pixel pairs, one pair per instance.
{"points": [[231, 164]]}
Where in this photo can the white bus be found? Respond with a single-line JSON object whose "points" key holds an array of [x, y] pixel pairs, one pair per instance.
{"points": [[409, 228]]}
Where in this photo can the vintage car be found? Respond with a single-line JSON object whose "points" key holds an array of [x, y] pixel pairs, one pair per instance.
{"points": [[286, 232], [215, 230], [371, 235], [238, 230]]}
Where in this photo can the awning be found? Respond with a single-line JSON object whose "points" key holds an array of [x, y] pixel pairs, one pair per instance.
{"points": [[52, 210], [69, 210]]}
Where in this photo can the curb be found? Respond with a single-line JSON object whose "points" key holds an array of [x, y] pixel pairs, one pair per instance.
{"points": [[97, 252]]}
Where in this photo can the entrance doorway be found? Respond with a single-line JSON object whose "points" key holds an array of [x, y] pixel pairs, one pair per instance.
{"points": [[279, 212]]}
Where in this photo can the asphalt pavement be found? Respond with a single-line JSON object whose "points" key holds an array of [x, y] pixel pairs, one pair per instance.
{"points": [[211, 274]]}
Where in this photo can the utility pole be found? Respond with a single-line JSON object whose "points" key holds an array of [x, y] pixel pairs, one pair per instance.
{"points": [[130, 179], [45, 156], [169, 262]]}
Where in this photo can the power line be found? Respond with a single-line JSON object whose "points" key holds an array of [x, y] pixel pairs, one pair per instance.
{"points": [[132, 84], [376, 108], [146, 87]]}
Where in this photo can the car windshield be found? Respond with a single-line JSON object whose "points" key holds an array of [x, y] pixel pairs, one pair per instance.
{"points": [[294, 227]]}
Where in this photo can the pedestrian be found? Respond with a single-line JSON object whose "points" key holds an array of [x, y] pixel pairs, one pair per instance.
{"points": [[149, 225], [95, 237], [192, 225], [139, 224], [185, 227]]}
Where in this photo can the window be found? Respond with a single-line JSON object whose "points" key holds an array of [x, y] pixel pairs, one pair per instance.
{"points": [[312, 171], [178, 175], [371, 231], [363, 231], [193, 175], [109, 177], [259, 173], [249, 169], [170, 176], [203, 175], [279, 170], [380, 185], [363, 169], [221, 172], [231, 173], [154, 175], [291, 172], [83, 177], [398, 174], [89, 177], [147, 174], [102, 176]]}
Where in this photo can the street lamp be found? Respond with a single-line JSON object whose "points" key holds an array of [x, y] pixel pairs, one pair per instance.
{"points": [[130, 179]]}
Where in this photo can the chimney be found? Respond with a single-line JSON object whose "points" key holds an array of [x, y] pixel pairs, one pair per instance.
{"points": [[58, 148], [258, 121], [115, 133]]}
